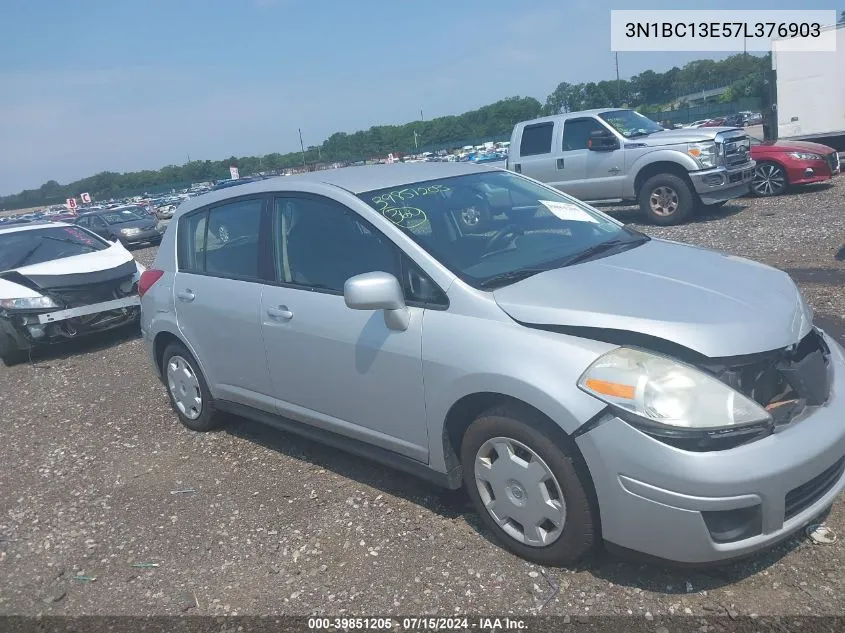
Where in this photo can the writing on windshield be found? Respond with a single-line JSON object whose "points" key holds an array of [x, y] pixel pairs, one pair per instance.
{"points": [[394, 198]]}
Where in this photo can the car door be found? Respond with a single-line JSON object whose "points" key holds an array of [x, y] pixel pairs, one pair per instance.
{"points": [[340, 369], [99, 226], [589, 174], [217, 293], [536, 159]]}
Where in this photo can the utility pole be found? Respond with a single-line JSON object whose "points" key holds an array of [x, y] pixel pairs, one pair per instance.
{"points": [[618, 86], [302, 147]]}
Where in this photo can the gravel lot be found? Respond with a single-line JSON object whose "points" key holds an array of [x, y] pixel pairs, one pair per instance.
{"points": [[92, 460]]}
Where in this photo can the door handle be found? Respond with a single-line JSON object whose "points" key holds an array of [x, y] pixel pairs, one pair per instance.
{"points": [[560, 163], [281, 312], [186, 295], [614, 170]]}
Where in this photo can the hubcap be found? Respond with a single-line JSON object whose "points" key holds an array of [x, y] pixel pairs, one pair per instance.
{"points": [[768, 180], [184, 387], [520, 492], [470, 216], [664, 201]]}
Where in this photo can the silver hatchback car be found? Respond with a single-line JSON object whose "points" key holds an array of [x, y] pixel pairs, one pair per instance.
{"points": [[582, 380]]}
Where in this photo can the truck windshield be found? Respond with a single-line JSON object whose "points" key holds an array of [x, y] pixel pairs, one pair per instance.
{"points": [[630, 124], [493, 228]]}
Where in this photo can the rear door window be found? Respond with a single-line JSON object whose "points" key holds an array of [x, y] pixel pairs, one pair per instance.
{"points": [[536, 139]]}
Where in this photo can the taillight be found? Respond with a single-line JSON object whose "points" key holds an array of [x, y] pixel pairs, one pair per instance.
{"points": [[148, 278]]}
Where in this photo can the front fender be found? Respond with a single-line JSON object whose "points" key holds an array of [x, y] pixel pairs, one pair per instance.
{"points": [[466, 355], [658, 155]]}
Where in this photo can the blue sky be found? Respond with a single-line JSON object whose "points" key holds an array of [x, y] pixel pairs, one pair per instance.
{"points": [[121, 85]]}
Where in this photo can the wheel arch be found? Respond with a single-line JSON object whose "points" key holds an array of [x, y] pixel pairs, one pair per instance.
{"points": [[661, 167], [465, 410]]}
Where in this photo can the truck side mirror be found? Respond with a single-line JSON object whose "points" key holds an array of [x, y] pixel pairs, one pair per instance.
{"points": [[602, 141]]}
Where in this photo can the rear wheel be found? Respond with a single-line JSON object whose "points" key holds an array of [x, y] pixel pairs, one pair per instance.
{"points": [[527, 486], [666, 199], [188, 391], [769, 180]]}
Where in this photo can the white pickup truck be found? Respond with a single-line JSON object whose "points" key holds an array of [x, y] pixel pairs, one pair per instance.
{"points": [[618, 155]]}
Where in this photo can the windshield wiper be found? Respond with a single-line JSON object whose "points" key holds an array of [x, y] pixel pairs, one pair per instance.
{"points": [[638, 133], [26, 256], [603, 247], [511, 276]]}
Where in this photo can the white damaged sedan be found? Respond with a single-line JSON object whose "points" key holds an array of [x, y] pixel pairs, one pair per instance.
{"points": [[59, 281]]}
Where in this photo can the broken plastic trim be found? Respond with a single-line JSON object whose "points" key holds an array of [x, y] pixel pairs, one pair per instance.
{"points": [[785, 381]]}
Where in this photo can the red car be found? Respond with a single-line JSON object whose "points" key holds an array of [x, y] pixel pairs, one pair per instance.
{"points": [[781, 164]]}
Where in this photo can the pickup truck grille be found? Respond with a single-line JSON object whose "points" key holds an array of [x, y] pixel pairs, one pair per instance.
{"points": [[737, 150]]}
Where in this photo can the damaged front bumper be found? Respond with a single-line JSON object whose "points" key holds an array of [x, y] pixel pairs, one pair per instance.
{"points": [[23, 330]]}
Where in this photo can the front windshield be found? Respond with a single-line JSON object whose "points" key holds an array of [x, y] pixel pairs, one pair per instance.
{"points": [[630, 124], [119, 217], [492, 227], [27, 247]]}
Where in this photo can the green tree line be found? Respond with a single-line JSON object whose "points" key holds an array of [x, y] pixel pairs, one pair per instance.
{"points": [[648, 91]]}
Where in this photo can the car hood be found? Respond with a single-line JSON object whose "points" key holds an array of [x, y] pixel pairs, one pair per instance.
{"points": [[713, 303], [110, 263], [141, 223], [791, 146], [682, 135]]}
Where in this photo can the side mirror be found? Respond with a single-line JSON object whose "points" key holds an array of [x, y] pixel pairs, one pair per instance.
{"points": [[378, 291], [602, 141]]}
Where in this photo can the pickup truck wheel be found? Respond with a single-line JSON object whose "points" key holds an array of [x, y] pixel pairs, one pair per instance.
{"points": [[528, 487], [666, 199], [769, 180]]}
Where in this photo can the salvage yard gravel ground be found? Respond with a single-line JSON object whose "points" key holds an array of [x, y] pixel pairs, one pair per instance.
{"points": [[110, 506]]}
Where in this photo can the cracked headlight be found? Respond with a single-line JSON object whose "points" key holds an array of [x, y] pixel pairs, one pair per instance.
{"points": [[665, 395], [28, 303], [704, 153]]}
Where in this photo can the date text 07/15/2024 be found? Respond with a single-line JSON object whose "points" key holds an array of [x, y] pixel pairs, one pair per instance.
{"points": [[422, 623]]}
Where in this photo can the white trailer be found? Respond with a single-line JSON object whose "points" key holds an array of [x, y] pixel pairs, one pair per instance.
{"points": [[810, 89]]}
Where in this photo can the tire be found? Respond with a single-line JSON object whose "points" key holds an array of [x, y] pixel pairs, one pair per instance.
{"points": [[14, 357], [769, 179], [522, 428], [207, 418], [666, 199]]}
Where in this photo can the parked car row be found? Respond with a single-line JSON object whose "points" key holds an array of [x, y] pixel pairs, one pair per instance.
{"points": [[740, 119]]}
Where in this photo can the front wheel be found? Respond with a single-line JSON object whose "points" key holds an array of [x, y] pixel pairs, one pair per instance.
{"points": [[666, 199], [527, 486], [769, 180]]}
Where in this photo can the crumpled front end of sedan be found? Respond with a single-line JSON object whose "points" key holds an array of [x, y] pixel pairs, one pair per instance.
{"points": [[48, 309], [710, 495]]}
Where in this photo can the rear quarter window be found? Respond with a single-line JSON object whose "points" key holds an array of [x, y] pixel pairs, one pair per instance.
{"points": [[536, 139]]}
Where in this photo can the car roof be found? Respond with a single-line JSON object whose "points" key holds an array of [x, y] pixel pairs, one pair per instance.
{"points": [[30, 226], [356, 180]]}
